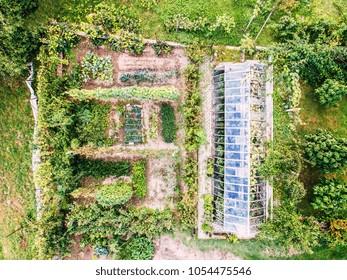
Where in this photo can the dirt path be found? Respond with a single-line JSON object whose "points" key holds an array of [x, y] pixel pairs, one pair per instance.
{"points": [[205, 151], [167, 248]]}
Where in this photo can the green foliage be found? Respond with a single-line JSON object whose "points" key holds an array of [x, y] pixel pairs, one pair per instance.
{"points": [[208, 213], [139, 248], [148, 4], [94, 67], [327, 153], [338, 231], [291, 231], [331, 92], [209, 167], [17, 41], [161, 48], [113, 19], [154, 93], [188, 210], [232, 238], [127, 41], [330, 198], [179, 22], [115, 194], [167, 115], [139, 179], [194, 134], [248, 44], [100, 169], [91, 123], [97, 36], [147, 75]]}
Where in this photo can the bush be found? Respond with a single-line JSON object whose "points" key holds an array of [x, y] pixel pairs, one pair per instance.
{"points": [[291, 231], [155, 93], [327, 153], [167, 115], [338, 231], [115, 194], [139, 248], [208, 213], [330, 197], [331, 92], [139, 179], [127, 41], [161, 48]]}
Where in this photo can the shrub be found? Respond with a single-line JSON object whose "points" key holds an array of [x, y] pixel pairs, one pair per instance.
{"points": [[97, 36], [338, 231], [209, 168], [149, 4], [139, 248], [330, 197], [139, 179], [167, 115], [128, 41], [327, 153], [115, 194], [331, 92], [161, 48]]}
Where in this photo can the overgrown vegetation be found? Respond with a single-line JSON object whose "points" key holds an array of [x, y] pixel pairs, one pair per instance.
{"points": [[139, 179]]}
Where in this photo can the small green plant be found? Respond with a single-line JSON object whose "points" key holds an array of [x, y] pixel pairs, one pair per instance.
{"points": [[101, 251], [208, 213], [139, 248], [115, 194], [209, 168], [153, 126], [161, 48], [148, 4], [232, 238], [167, 115]]}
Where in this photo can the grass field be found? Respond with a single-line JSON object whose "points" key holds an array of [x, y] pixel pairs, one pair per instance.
{"points": [[17, 200]]}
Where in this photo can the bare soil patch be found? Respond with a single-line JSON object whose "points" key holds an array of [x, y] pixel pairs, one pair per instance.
{"points": [[168, 248]]}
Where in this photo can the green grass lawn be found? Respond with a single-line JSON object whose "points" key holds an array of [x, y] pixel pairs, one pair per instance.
{"points": [[17, 200]]}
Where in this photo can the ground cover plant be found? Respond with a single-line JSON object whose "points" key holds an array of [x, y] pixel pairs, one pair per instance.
{"points": [[167, 116]]}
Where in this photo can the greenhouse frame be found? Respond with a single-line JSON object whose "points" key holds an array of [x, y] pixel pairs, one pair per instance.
{"points": [[242, 125]]}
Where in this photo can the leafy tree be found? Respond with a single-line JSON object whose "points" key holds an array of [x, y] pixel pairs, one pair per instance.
{"points": [[140, 248], [331, 198], [111, 195], [331, 92], [327, 153]]}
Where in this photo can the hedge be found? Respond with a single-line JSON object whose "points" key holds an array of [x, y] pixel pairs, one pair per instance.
{"points": [[167, 115], [156, 93]]}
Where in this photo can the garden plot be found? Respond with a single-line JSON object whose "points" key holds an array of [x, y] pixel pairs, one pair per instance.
{"points": [[128, 69], [161, 183]]}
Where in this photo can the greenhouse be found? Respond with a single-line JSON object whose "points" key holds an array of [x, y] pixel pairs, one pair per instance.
{"points": [[243, 122]]}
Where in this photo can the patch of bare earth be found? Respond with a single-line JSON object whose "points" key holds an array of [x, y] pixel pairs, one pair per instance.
{"points": [[161, 181], [167, 248]]}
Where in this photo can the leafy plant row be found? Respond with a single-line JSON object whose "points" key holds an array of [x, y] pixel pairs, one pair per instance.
{"points": [[154, 93], [167, 115]]}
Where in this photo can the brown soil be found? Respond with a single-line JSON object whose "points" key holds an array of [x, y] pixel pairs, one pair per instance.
{"points": [[167, 248], [77, 253], [161, 181]]}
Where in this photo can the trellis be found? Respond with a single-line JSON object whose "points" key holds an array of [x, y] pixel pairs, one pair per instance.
{"points": [[133, 124], [240, 199]]}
